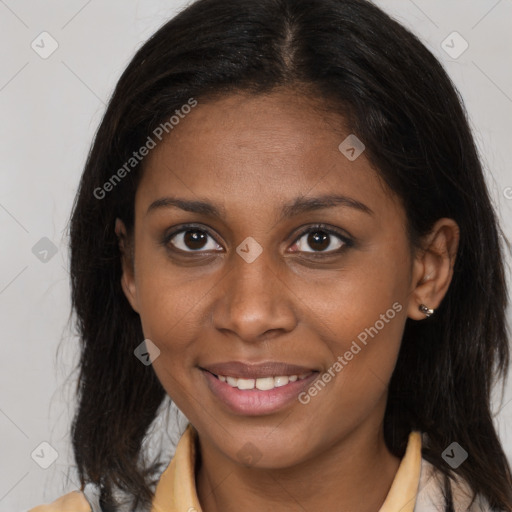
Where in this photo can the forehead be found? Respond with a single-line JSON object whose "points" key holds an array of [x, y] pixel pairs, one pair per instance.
{"points": [[259, 150]]}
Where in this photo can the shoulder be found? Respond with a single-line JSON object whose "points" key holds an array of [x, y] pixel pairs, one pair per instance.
{"points": [[72, 502], [430, 496]]}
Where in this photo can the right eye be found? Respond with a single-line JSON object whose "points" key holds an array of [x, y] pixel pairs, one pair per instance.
{"points": [[192, 239]]}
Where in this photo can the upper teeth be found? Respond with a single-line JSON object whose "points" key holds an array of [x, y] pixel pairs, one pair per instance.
{"points": [[264, 383]]}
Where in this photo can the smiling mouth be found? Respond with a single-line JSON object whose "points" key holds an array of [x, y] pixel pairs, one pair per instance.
{"points": [[261, 383], [257, 389]]}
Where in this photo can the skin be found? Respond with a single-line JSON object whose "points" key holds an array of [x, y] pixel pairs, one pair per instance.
{"points": [[249, 155]]}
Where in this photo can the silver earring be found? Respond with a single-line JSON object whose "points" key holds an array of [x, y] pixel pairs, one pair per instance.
{"points": [[425, 310]]}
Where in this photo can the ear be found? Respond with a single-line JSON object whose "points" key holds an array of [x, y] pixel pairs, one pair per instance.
{"points": [[127, 264], [433, 267]]}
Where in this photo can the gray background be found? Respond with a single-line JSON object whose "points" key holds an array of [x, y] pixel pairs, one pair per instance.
{"points": [[50, 110]]}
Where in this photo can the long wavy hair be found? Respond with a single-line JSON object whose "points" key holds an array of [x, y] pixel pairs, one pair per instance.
{"points": [[397, 98]]}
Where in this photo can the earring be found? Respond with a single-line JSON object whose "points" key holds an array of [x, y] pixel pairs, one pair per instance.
{"points": [[425, 310]]}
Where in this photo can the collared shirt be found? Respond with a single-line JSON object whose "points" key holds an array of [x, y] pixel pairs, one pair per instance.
{"points": [[415, 487]]}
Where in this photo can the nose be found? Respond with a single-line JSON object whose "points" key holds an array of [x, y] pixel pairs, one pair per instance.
{"points": [[255, 303]]}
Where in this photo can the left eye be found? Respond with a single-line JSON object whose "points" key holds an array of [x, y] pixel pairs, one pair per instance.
{"points": [[321, 240]]}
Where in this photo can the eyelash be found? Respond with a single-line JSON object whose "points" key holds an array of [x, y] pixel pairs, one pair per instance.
{"points": [[347, 242]]}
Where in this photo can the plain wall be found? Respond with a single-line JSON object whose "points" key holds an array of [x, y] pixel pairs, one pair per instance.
{"points": [[50, 109]]}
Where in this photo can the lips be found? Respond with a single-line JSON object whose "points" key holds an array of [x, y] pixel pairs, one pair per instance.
{"points": [[239, 370], [252, 389], [255, 397]]}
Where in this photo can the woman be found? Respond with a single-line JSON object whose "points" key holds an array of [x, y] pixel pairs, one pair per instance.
{"points": [[284, 227]]}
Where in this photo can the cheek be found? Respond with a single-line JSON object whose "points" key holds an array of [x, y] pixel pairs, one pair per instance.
{"points": [[364, 335], [361, 314], [364, 342], [166, 295], [369, 294], [169, 308], [169, 316]]}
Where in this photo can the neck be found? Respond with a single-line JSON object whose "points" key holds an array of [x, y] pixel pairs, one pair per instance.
{"points": [[355, 473]]}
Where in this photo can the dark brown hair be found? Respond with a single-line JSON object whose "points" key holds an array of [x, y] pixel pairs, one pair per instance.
{"points": [[396, 98]]}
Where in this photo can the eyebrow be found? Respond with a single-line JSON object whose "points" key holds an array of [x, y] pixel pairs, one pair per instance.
{"points": [[297, 206]]}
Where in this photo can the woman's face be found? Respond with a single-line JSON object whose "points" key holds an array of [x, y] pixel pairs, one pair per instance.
{"points": [[254, 281]]}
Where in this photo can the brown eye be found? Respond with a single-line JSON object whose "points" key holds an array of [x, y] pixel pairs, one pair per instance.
{"points": [[193, 240], [320, 240]]}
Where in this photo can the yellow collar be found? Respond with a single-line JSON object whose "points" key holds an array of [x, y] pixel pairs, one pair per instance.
{"points": [[176, 489]]}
